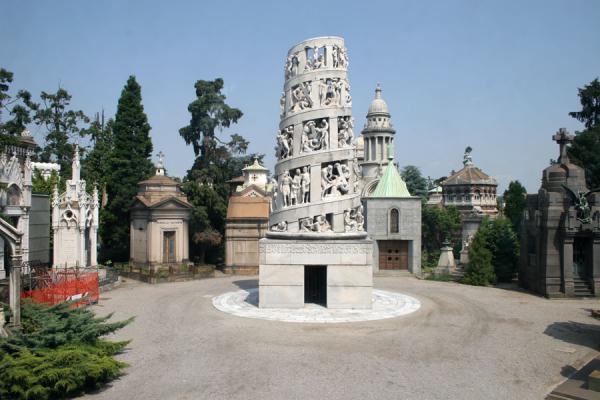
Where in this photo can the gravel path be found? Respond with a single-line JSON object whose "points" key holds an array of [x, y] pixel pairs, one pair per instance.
{"points": [[463, 343]]}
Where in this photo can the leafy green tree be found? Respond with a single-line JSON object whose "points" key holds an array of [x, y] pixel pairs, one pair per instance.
{"points": [[514, 203], [437, 225], [479, 270], [205, 184], [95, 166], [45, 186], [585, 150], [504, 245], [129, 163], [499, 239], [62, 125], [18, 107], [415, 182]]}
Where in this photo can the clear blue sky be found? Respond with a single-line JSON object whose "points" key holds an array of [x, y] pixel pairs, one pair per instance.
{"points": [[498, 76]]}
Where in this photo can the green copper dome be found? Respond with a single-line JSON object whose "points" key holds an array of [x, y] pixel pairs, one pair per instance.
{"points": [[391, 183]]}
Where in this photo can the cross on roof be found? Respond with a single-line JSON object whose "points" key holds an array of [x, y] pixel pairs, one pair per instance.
{"points": [[563, 138]]}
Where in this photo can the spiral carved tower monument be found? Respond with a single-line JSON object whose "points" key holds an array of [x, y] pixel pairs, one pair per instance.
{"points": [[316, 250]]}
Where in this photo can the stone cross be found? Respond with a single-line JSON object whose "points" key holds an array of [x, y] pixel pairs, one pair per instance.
{"points": [[563, 138], [161, 159]]}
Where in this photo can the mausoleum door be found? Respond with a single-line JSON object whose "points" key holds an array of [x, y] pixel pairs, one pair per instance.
{"points": [[169, 247], [582, 250], [393, 254]]}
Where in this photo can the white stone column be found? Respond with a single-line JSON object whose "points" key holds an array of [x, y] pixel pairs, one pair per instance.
{"points": [[93, 246], [15, 290]]}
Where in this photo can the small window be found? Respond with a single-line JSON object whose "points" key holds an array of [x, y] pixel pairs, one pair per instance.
{"points": [[394, 221]]}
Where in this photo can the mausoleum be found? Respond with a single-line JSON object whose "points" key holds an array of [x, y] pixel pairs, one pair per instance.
{"points": [[393, 219], [75, 221], [247, 220], [159, 222], [560, 236]]}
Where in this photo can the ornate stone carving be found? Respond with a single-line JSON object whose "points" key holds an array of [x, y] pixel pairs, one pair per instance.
{"points": [[286, 188], [581, 203], [280, 227], [339, 56], [285, 140], [315, 136], [291, 66], [296, 187], [301, 99], [316, 224], [354, 220], [316, 60], [315, 248], [305, 186], [334, 180], [282, 105], [348, 99], [345, 132]]}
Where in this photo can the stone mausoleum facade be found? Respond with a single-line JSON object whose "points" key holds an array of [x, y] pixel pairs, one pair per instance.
{"points": [[560, 236], [316, 249], [75, 222], [159, 223], [247, 220], [392, 215]]}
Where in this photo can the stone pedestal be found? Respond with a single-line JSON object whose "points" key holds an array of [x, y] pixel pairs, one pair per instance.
{"points": [[347, 261], [446, 263]]}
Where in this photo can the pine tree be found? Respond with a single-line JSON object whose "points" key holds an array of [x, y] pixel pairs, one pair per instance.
{"points": [[128, 164]]}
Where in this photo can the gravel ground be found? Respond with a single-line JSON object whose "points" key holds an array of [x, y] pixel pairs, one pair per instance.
{"points": [[463, 343]]}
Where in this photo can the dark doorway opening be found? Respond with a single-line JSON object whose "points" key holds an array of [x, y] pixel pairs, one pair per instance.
{"points": [[582, 263], [315, 284]]}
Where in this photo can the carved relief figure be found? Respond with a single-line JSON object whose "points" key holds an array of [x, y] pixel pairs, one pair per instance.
{"points": [[286, 188], [291, 66], [349, 221], [285, 140], [296, 184], [326, 180], [317, 60], [348, 102], [305, 185], [280, 227], [282, 105], [301, 97], [321, 224], [345, 131], [360, 219]]}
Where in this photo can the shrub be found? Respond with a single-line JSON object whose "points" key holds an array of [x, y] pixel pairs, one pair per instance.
{"points": [[479, 270], [58, 353]]}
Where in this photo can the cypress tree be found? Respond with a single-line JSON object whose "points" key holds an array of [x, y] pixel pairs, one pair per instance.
{"points": [[128, 164]]}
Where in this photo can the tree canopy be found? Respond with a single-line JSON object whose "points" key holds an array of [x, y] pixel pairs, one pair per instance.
{"points": [[217, 161], [585, 150], [129, 163], [415, 182], [63, 126], [514, 203], [18, 107]]}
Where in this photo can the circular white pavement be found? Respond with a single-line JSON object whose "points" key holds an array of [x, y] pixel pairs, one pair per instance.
{"points": [[244, 303]]}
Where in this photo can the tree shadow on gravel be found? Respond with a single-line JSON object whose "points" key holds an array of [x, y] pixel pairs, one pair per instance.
{"points": [[576, 333], [246, 284]]}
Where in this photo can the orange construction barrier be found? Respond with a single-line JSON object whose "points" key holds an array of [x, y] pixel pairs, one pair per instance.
{"points": [[81, 289]]}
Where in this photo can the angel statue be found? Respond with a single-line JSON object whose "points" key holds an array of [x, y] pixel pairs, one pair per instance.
{"points": [[581, 204]]}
